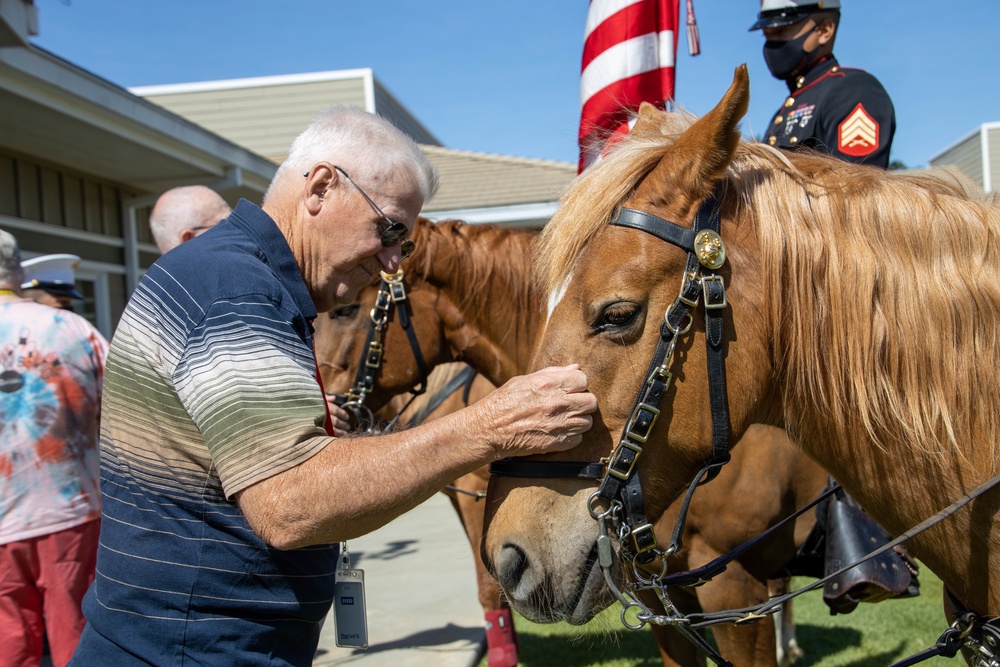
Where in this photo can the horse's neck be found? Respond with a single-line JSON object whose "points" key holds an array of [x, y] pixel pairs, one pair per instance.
{"points": [[866, 412], [489, 311], [900, 489]]}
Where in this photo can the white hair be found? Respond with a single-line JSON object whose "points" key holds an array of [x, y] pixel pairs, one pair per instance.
{"points": [[11, 273], [187, 207], [358, 141]]}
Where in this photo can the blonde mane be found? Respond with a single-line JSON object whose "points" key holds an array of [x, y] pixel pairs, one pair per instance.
{"points": [[884, 287], [592, 198]]}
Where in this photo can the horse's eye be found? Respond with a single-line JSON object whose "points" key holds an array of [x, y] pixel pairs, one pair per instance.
{"points": [[345, 312], [616, 317]]}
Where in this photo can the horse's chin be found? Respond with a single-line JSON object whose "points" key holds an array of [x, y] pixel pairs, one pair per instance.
{"points": [[576, 607]]}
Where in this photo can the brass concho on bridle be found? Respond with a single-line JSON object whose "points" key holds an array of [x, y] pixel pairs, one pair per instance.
{"points": [[710, 249]]}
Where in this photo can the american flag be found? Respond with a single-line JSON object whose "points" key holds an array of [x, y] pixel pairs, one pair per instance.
{"points": [[629, 51]]}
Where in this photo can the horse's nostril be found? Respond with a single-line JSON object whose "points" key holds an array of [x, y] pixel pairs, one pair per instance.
{"points": [[511, 566]]}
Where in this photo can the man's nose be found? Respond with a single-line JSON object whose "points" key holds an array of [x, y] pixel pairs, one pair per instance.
{"points": [[389, 258]]}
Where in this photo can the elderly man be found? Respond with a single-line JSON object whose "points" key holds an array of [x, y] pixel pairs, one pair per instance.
{"points": [[183, 213], [51, 370], [225, 495]]}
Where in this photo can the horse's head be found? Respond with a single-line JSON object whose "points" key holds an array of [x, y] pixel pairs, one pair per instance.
{"points": [[468, 298], [342, 333], [610, 287]]}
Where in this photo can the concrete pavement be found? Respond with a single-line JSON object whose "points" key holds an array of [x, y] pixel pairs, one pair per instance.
{"points": [[420, 590]]}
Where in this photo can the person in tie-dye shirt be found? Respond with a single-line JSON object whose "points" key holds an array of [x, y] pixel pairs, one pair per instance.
{"points": [[51, 370]]}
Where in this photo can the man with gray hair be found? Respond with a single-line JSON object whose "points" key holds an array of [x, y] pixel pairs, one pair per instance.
{"points": [[180, 214], [225, 493], [51, 370]]}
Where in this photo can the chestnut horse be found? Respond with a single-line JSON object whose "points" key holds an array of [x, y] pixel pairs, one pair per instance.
{"points": [[860, 313], [470, 291], [449, 330]]}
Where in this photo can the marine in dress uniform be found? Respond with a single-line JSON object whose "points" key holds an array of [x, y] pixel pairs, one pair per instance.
{"points": [[838, 110]]}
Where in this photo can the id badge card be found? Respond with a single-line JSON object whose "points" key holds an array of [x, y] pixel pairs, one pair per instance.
{"points": [[349, 610]]}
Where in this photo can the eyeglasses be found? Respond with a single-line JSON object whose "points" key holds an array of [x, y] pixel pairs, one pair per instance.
{"points": [[393, 234]]}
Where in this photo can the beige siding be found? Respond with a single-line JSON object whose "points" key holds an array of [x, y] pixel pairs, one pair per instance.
{"points": [[967, 156], [389, 107], [993, 142], [47, 193], [8, 186], [266, 118]]}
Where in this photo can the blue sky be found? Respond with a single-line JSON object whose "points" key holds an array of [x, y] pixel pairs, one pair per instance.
{"points": [[503, 77]]}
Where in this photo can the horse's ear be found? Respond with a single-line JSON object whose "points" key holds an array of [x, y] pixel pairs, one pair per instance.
{"points": [[700, 156], [649, 120]]}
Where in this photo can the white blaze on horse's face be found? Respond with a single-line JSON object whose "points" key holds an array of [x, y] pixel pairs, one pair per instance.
{"points": [[557, 294]]}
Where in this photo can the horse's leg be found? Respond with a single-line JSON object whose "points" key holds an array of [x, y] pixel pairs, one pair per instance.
{"points": [[788, 650], [501, 639], [675, 649], [468, 498]]}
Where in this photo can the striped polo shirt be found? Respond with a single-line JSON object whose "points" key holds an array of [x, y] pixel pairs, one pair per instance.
{"points": [[210, 387]]}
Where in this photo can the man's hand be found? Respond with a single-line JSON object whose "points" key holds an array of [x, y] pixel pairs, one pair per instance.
{"points": [[339, 416], [546, 411]]}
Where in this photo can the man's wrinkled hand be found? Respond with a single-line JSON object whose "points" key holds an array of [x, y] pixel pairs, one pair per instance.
{"points": [[545, 411]]}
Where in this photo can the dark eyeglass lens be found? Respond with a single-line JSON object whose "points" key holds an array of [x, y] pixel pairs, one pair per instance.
{"points": [[394, 234], [406, 249]]}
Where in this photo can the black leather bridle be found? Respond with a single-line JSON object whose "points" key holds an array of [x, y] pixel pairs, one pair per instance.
{"points": [[391, 294]]}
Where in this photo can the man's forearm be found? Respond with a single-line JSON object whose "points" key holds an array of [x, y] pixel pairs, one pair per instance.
{"points": [[358, 484]]}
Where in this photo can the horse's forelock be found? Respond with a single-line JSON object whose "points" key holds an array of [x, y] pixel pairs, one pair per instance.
{"points": [[592, 198]]}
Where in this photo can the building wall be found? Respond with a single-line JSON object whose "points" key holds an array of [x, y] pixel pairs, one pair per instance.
{"points": [[263, 118], [993, 141], [967, 156], [265, 114], [387, 106], [53, 209]]}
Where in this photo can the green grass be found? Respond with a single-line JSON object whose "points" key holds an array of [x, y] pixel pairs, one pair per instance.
{"points": [[873, 635]]}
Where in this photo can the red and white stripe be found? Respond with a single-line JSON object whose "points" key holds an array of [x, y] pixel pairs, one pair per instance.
{"points": [[629, 51]]}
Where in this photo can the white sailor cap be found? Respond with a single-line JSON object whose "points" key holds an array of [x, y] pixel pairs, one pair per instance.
{"points": [[779, 13], [52, 273]]}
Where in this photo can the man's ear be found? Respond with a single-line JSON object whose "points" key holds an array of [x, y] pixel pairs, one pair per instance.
{"points": [[319, 180], [826, 31], [187, 235]]}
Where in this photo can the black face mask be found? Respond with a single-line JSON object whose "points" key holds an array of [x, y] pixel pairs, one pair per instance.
{"points": [[786, 58]]}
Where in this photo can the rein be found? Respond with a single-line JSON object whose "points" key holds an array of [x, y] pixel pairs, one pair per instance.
{"points": [[392, 292], [620, 487]]}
